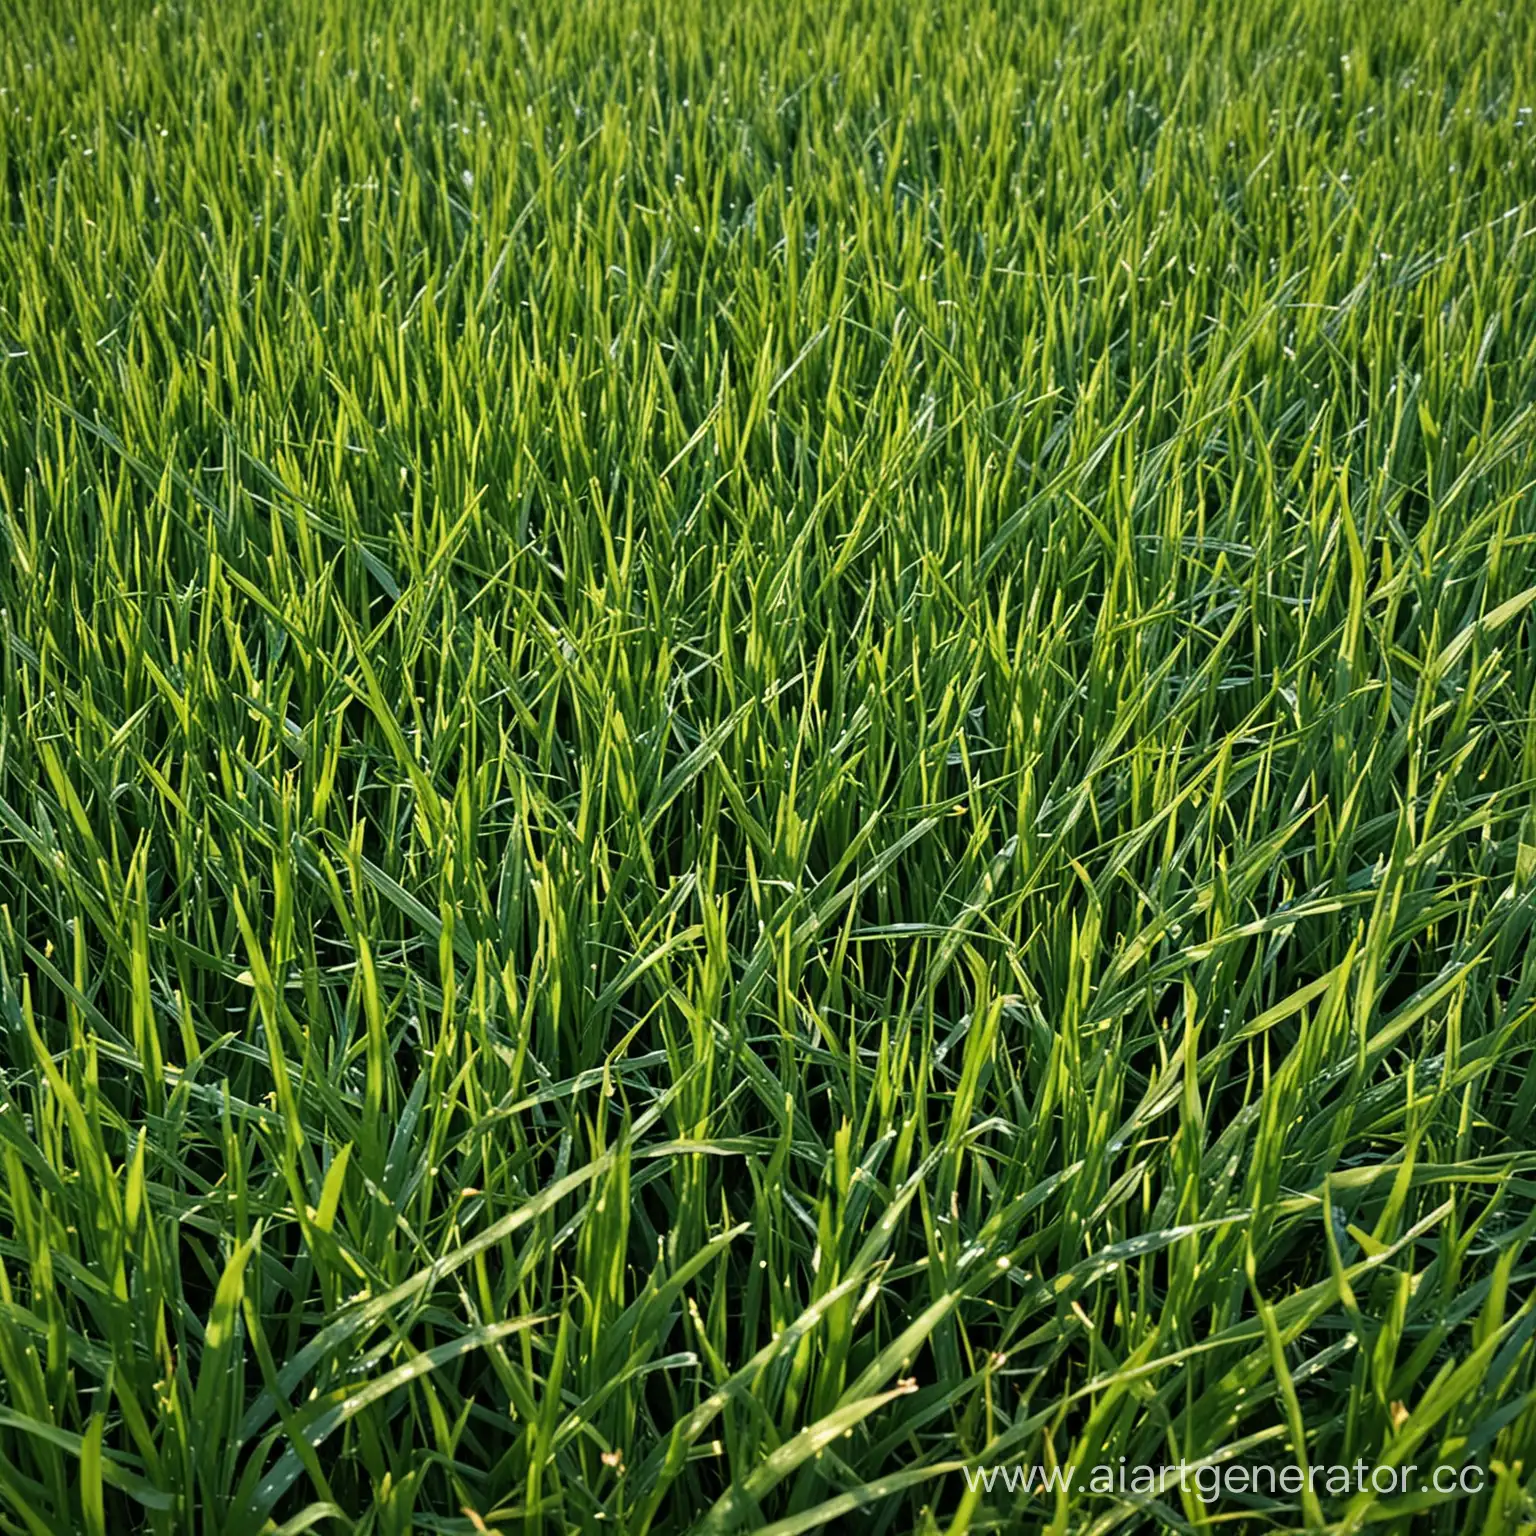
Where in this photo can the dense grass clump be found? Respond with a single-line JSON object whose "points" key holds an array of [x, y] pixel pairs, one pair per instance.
{"points": [[753, 752]]}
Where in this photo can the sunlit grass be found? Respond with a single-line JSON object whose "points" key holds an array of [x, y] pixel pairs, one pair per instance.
{"points": [[749, 751]]}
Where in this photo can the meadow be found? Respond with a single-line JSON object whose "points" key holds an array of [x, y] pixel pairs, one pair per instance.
{"points": [[754, 753]]}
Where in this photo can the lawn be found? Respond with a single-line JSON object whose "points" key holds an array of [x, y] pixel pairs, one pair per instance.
{"points": [[753, 755]]}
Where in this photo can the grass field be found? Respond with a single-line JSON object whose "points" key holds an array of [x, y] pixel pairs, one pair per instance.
{"points": [[752, 752]]}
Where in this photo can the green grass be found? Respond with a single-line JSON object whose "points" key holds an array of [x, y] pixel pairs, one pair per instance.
{"points": [[751, 750]]}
